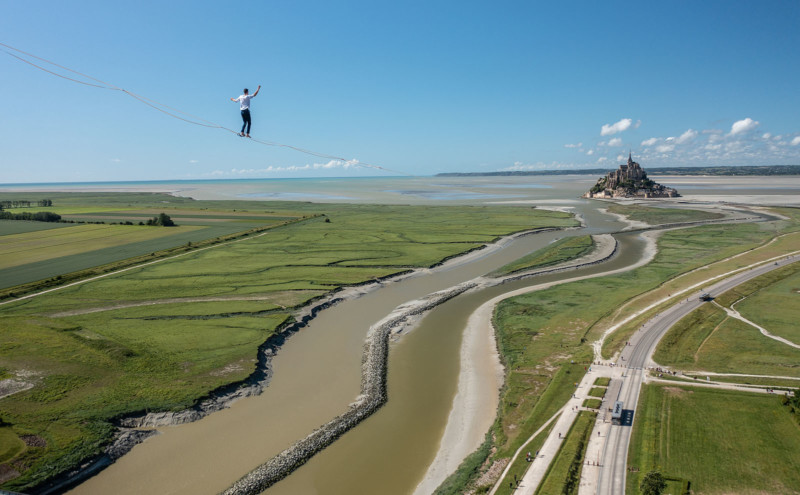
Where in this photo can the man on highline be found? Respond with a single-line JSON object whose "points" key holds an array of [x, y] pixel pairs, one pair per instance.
{"points": [[244, 106]]}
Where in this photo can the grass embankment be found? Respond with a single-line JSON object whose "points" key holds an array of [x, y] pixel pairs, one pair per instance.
{"points": [[540, 334], [602, 381], [659, 216], [721, 441], [108, 347], [564, 474], [562, 250]]}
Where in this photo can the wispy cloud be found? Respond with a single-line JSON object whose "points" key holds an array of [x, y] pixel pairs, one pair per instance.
{"points": [[330, 165], [615, 141], [650, 142], [622, 125], [576, 145], [795, 141]]}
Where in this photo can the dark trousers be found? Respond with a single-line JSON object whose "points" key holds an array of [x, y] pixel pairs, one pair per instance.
{"points": [[246, 120]]}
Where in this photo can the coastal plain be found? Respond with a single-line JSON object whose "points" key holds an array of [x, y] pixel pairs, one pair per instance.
{"points": [[162, 336], [195, 320]]}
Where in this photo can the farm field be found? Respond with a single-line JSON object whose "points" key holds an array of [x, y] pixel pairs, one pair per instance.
{"points": [[33, 247], [720, 441], [162, 336]]}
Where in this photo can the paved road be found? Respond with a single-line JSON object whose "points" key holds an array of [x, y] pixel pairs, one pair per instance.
{"points": [[636, 357]]}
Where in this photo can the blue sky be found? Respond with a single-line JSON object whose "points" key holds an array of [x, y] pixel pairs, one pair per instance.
{"points": [[415, 87]]}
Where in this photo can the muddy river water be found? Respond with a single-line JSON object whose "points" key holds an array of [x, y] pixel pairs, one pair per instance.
{"points": [[317, 374]]}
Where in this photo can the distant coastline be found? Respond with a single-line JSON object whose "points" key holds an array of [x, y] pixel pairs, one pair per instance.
{"points": [[742, 170]]}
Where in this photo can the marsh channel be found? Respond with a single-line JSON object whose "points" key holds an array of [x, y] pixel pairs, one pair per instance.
{"points": [[317, 374]]}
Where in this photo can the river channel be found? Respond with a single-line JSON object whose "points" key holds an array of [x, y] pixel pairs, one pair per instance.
{"points": [[317, 373]]}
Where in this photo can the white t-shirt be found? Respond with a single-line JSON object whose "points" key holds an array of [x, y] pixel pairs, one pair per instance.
{"points": [[244, 101]]}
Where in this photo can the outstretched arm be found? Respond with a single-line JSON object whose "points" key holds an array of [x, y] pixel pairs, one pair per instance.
{"points": [[257, 90], [234, 99]]}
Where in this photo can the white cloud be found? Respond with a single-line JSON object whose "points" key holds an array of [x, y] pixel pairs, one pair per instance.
{"points": [[590, 152], [615, 142], [602, 159], [649, 142], [665, 148], [193, 161], [742, 126], [766, 135], [795, 141], [687, 136], [578, 145], [116, 160], [622, 125], [332, 164]]}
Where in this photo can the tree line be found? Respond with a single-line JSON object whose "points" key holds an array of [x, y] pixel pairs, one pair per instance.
{"points": [[22, 203]]}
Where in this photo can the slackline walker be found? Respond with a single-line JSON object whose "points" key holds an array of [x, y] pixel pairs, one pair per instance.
{"points": [[178, 114]]}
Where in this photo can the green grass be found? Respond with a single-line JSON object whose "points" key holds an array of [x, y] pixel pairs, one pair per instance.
{"points": [[781, 293], [564, 474], [721, 441], [602, 381], [657, 216], [707, 339], [33, 247], [593, 403], [562, 250], [598, 392], [521, 465], [10, 444], [9, 227]]}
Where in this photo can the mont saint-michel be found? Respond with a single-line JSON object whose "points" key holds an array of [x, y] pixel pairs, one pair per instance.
{"points": [[629, 181]]}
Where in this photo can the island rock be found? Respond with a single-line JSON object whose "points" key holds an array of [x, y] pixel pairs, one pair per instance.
{"points": [[629, 181]]}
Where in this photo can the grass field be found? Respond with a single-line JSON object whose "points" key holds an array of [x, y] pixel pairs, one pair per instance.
{"points": [[562, 250], [709, 340], [598, 392], [778, 291], [721, 441], [658, 216], [592, 403], [161, 336]]}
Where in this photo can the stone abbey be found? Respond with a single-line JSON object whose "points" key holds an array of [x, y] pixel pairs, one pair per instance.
{"points": [[629, 181]]}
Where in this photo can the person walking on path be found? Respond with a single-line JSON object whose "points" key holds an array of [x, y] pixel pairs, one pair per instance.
{"points": [[244, 106]]}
